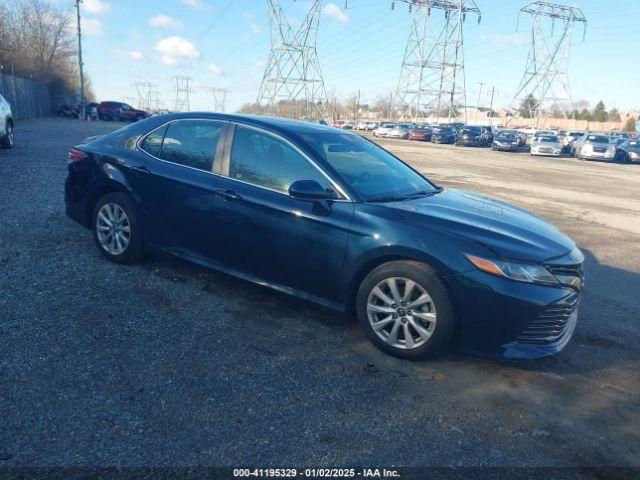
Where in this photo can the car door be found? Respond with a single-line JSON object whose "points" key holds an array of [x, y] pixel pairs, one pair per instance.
{"points": [[265, 233], [177, 173]]}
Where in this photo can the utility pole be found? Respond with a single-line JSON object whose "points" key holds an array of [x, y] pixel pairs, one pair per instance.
{"points": [[80, 63], [493, 91], [475, 120]]}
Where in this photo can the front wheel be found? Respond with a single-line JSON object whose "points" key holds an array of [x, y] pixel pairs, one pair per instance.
{"points": [[8, 139], [405, 310], [116, 228]]}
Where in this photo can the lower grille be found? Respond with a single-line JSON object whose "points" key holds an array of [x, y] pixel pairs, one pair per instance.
{"points": [[552, 323], [545, 150]]}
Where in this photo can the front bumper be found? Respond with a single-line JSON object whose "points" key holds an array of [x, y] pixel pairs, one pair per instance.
{"points": [[501, 318], [508, 147], [546, 152]]}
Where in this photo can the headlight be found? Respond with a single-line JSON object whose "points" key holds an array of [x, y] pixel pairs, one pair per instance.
{"points": [[521, 272], [633, 155]]}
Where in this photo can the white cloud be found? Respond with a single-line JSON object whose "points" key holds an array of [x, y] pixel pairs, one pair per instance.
{"points": [[176, 50], [255, 28], [213, 68], [91, 26], [334, 12], [197, 4], [135, 55], [130, 54], [96, 7], [162, 20]]}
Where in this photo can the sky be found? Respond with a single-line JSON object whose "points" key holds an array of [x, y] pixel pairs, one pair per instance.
{"points": [[225, 44]]}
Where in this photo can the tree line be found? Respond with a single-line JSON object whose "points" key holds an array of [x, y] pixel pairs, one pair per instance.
{"points": [[37, 41], [529, 106]]}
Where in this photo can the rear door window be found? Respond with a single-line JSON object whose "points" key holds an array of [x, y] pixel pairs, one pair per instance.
{"points": [[192, 143]]}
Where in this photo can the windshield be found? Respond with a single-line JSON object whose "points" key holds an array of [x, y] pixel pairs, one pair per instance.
{"points": [[371, 171], [547, 138], [443, 130], [597, 139], [506, 134]]}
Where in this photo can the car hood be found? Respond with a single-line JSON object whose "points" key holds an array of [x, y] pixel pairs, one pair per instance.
{"points": [[505, 139], [511, 232]]}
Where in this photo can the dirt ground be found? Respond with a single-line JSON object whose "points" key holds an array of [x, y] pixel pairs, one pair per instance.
{"points": [[167, 364]]}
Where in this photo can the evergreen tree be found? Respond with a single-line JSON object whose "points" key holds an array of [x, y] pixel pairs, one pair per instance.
{"points": [[599, 113], [528, 106]]}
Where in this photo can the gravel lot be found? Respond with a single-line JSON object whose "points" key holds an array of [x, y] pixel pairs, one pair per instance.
{"points": [[166, 364]]}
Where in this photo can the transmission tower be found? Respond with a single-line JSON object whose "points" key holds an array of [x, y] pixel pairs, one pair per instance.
{"points": [[219, 97], [546, 76], [432, 78], [183, 91], [292, 83], [147, 94]]}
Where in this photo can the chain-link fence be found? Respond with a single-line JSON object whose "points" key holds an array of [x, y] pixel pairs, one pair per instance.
{"points": [[28, 98]]}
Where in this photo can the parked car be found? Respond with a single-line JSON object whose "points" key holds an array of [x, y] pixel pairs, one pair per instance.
{"points": [[7, 137], [372, 125], [91, 111], [470, 136], [487, 135], [120, 111], [339, 124], [360, 126], [420, 133], [399, 131], [506, 140], [443, 135], [330, 217], [383, 129], [628, 151], [67, 111], [594, 146], [546, 145]]}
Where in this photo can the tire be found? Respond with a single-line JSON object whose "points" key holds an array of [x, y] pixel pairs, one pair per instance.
{"points": [[8, 139], [441, 329], [133, 249]]}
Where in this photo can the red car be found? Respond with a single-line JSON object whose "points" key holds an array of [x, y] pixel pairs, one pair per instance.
{"points": [[120, 111], [421, 134]]}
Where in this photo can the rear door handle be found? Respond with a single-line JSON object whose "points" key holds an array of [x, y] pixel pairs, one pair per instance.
{"points": [[140, 170], [228, 194]]}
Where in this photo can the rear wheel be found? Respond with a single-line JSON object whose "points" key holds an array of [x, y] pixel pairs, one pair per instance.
{"points": [[116, 228], [405, 310], [8, 139]]}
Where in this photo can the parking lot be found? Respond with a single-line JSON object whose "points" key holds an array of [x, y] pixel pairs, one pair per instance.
{"points": [[164, 363]]}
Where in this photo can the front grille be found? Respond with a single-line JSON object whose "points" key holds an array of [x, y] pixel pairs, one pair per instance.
{"points": [[552, 323], [568, 270], [599, 149], [545, 150]]}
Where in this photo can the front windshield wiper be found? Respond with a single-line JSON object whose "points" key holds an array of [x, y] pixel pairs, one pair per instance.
{"points": [[399, 198]]}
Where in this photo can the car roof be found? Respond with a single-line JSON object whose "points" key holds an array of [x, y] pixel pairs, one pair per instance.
{"points": [[283, 125]]}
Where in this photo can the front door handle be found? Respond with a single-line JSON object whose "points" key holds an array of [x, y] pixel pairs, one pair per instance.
{"points": [[228, 194], [140, 170]]}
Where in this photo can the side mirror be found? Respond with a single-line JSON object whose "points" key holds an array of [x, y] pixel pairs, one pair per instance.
{"points": [[309, 190]]}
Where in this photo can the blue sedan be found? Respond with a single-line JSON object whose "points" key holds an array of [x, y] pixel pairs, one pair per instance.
{"points": [[330, 217]]}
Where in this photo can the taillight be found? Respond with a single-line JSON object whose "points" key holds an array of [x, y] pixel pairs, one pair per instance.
{"points": [[76, 155]]}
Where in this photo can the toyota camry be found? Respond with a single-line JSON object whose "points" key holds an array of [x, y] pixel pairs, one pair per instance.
{"points": [[330, 217]]}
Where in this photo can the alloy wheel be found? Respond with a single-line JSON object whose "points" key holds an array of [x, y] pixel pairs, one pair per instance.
{"points": [[113, 228], [401, 312]]}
